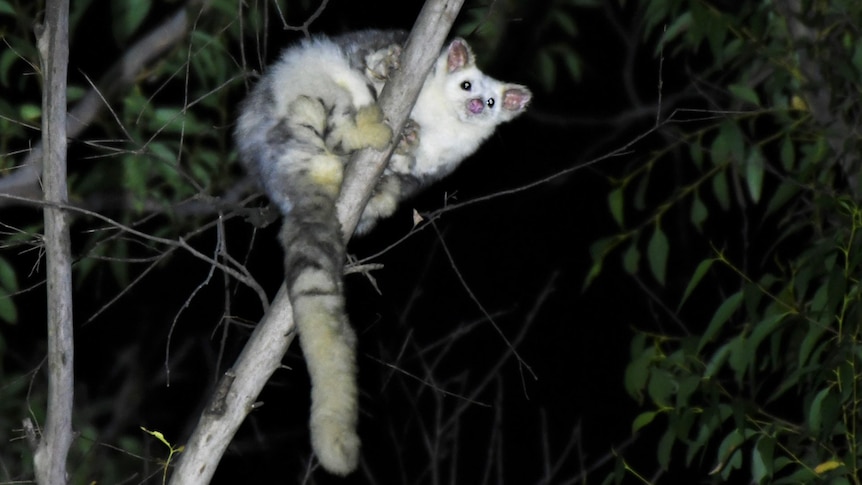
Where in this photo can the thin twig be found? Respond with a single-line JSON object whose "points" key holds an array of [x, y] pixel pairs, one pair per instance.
{"points": [[479, 305]]}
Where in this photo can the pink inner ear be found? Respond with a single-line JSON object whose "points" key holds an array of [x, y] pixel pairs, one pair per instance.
{"points": [[459, 56], [515, 99]]}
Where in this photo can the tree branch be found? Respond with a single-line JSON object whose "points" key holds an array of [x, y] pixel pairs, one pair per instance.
{"points": [[53, 43], [235, 396]]}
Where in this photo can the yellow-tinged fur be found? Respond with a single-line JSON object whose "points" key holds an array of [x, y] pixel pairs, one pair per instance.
{"points": [[327, 171], [367, 131], [324, 332]]}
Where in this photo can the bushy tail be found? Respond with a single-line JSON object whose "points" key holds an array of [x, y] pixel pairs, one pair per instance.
{"points": [[314, 256], [305, 180]]}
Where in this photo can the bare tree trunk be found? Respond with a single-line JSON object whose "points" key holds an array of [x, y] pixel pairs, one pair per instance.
{"points": [[235, 395], [53, 42]]}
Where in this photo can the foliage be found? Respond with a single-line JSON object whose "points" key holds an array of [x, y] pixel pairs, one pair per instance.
{"points": [[556, 26], [762, 378], [172, 450]]}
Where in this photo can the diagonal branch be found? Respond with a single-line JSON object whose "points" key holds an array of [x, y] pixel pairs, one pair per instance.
{"points": [[235, 396]]}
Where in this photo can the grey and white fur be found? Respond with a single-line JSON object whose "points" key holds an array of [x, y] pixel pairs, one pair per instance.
{"points": [[296, 131]]}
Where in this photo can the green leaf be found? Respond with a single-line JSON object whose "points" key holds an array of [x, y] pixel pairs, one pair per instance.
{"points": [[788, 153], [6, 8], [815, 331], [719, 189], [716, 31], [754, 166], [836, 286], [661, 386], [739, 360], [665, 446], [695, 150], [734, 463], [167, 120], [642, 420], [76, 11], [828, 466], [639, 344], [158, 435], [857, 56], [128, 16], [639, 199], [163, 152], [699, 212], [593, 273], [745, 93], [631, 259], [701, 17], [637, 373], [598, 250], [8, 278], [762, 330], [727, 308], [7, 60], [814, 418], [784, 193], [586, 3], [680, 24], [846, 373], [801, 475], [734, 47], [729, 453], [729, 144], [656, 11], [8, 310], [135, 174], [710, 420], [615, 202], [564, 21], [657, 252], [820, 300], [762, 467], [573, 64], [30, 112], [546, 70], [824, 412], [685, 388], [698, 275], [119, 267], [206, 61], [781, 462], [716, 361], [75, 93]]}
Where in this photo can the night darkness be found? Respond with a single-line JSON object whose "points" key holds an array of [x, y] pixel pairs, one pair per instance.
{"points": [[524, 255]]}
